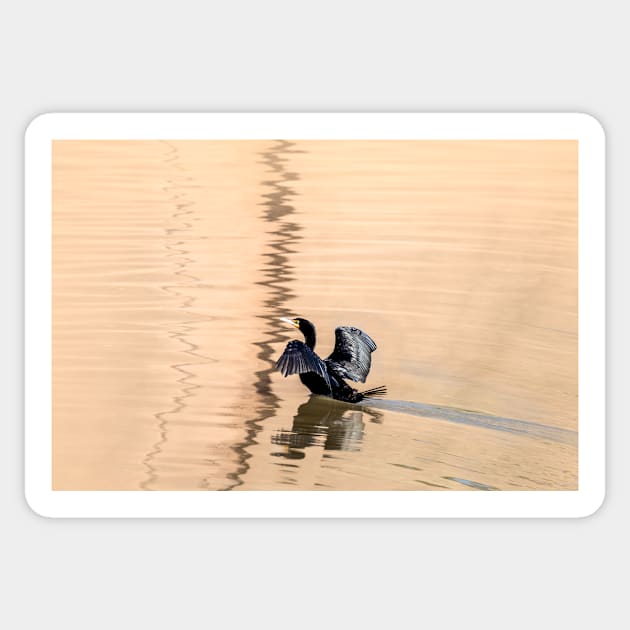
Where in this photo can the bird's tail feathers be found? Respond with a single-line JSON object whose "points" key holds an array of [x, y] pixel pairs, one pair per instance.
{"points": [[375, 392]]}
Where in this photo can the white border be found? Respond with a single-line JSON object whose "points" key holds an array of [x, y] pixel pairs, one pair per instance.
{"points": [[38, 400]]}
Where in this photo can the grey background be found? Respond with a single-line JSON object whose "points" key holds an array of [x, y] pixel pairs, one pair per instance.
{"points": [[318, 56]]}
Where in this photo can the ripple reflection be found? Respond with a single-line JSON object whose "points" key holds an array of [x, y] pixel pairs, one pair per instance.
{"points": [[277, 275], [176, 234]]}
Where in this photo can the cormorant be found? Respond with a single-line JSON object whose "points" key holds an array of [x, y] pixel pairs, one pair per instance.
{"points": [[350, 359]]}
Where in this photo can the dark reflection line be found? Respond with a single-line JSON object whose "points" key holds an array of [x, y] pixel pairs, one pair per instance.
{"points": [[471, 484], [277, 276], [182, 219]]}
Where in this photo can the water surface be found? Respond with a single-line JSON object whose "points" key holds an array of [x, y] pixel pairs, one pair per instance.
{"points": [[173, 260]]}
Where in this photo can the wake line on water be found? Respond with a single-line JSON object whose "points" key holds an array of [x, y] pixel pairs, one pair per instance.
{"points": [[477, 419]]}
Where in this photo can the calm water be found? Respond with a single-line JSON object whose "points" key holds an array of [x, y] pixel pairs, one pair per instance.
{"points": [[173, 261]]}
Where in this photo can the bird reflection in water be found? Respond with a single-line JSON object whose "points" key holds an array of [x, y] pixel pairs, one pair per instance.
{"points": [[331, 424]]}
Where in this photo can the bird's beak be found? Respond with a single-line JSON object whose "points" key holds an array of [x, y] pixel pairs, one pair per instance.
{"points": [[289, 321]]}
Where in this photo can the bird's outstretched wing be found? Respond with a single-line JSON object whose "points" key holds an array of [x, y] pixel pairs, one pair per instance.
{"points": [[298, 358], [351, 357]]}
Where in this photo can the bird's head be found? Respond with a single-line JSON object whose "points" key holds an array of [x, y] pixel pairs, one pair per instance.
{"points": [[304, 326], [297, 322]]}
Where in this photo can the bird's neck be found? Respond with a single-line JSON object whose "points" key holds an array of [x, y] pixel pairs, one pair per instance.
{"points": [[309, 338]]}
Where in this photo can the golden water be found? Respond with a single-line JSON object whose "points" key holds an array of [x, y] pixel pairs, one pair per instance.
{"points": [[173, 260]]}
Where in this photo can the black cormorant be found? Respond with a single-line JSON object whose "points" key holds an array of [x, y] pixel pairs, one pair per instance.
{"points": [[350, 359]]}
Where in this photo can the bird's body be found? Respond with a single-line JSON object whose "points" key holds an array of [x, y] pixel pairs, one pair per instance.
{"points": [[351, 359]]}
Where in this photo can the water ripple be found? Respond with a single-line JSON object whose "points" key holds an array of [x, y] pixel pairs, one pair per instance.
{"points": [[278, 276]]}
